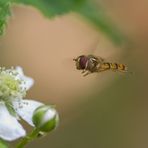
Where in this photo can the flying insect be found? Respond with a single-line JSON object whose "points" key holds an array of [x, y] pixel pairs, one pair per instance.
{"points": [[91, 64]]}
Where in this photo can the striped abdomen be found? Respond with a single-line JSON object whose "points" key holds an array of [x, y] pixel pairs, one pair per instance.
{"points": [[113, 66]]}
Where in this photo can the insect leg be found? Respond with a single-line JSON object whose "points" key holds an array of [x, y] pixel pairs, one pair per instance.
{"points": [[88, 72], [83, 71]]}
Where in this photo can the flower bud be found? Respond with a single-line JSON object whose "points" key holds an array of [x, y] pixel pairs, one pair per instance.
{"points": [[45, 118]]}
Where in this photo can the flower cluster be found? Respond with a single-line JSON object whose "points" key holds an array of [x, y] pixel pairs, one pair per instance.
{"points": [[13, 87]]}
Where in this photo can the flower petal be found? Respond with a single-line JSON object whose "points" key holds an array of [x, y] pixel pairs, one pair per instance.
{"points": [[28, 81], [25, 109], [10, 129]]}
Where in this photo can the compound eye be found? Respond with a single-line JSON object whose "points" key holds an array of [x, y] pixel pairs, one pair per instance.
{"points": [[83, 60]]}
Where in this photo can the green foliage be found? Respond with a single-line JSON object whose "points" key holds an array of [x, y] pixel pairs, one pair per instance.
{"points": [[95, 14], [3, 144], [50, 8], [4, 14], [87, 8]]}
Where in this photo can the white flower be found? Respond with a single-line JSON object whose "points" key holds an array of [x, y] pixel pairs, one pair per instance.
{"points": [[13, 87]]}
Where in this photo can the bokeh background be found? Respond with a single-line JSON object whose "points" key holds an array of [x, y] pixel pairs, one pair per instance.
{"points": [[105, 110]]}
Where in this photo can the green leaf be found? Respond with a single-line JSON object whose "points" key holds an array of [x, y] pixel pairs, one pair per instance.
{"points": [[96, 14], [4, 14], [51, 8], [3, 144], [86, 8]]}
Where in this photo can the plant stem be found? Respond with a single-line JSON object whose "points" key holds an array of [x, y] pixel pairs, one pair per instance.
{"points": [[28, 138]]}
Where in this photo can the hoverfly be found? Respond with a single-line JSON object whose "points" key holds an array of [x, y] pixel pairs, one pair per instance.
{"points": [[90, 64]]}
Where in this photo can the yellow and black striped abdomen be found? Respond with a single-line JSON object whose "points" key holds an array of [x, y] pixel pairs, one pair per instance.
{"points": [[114, 67], [122, 67]]}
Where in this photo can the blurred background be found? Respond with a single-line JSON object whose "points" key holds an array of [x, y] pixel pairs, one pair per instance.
{"points": [[104, 110]]}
